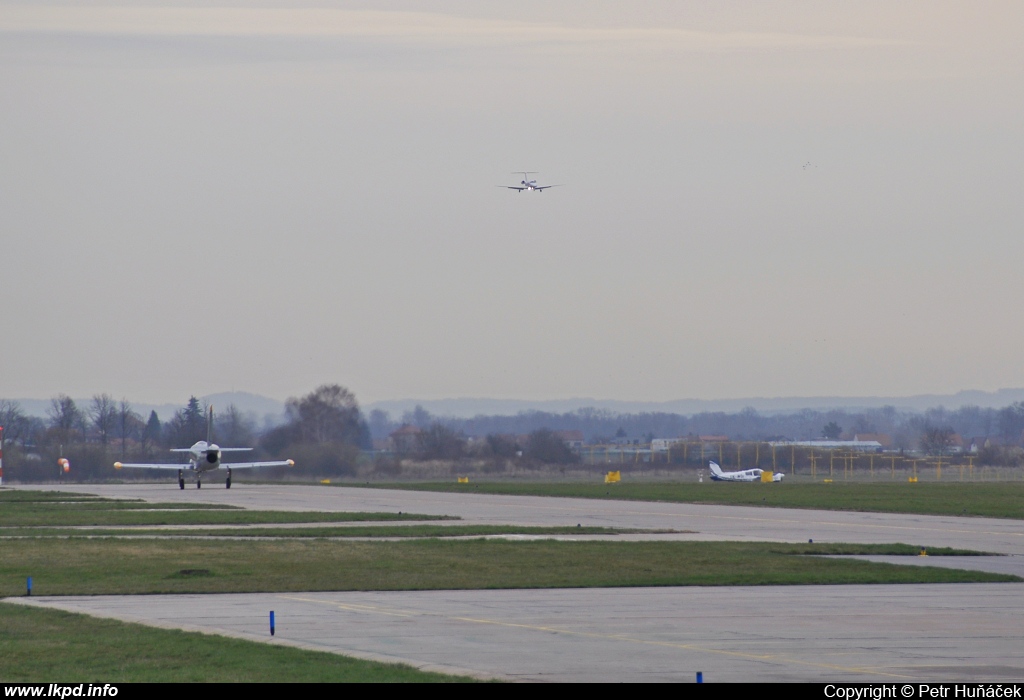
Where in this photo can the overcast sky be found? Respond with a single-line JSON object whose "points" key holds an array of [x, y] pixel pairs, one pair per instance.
{"points": [[759, 199]]}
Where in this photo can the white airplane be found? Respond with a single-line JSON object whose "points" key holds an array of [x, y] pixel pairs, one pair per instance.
{"points": [[204, 456], [746, 475], [527, 184]]}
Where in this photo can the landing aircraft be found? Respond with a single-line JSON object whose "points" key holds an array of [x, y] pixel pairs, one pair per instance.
{"points": [[527, 184], [746, 475], [204, 456]]}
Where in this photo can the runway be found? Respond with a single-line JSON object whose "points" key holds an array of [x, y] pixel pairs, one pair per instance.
{"points": [[707, 521], [908, 633]]}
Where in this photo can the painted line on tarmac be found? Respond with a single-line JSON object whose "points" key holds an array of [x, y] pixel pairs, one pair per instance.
{"points": [[395, 612]]}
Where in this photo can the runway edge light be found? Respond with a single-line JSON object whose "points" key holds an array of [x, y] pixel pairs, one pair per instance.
{"points": [[271, 623]]}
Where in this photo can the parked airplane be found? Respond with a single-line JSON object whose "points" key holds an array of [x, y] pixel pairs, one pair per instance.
{"points": [[527, 184], [204, 456], [746, 475]]}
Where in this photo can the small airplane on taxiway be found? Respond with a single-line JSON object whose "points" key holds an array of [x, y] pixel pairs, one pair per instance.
{"points": [[204, 456], [528, 184], [746, 475]]}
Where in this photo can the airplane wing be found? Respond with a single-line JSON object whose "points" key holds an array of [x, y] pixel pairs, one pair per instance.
{"points": [[121, 465], [507, 187], [546, 187], [252, 465], [237, 449]]}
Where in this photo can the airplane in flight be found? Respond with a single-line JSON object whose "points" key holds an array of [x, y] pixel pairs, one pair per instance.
{"points": [[746, 475], [204, 456], [527, 184]]}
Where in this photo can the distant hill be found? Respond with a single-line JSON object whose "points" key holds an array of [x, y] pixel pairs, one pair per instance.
{"points": [[469, 407], [267, 410]]}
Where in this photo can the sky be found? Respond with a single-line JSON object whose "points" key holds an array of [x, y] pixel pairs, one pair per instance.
{"points": [[756, 199]]}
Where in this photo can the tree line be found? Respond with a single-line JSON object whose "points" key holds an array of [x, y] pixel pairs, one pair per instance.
{"points": [[600, 426], [323, 432]]}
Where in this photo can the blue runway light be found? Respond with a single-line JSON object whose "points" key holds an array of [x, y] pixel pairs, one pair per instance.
{"points": [[700, 677], [271, 623], [28, 585]]}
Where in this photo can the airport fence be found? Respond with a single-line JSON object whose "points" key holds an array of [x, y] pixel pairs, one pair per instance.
{"points": [[799, 461]]}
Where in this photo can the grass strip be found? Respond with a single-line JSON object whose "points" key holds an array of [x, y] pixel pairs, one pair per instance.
{"points": [[42, 500], [8, 495], [999, 500], [57, 515], [347, 531], [119, 566], [53, 646]]}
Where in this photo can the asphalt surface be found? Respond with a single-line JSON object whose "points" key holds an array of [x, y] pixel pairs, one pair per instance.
{"points": [[950, 632], [893, 634]]}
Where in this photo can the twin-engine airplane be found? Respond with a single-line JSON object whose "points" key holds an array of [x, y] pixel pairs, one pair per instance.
{"points": [[528, 184], [746, 475], [204, 456]]}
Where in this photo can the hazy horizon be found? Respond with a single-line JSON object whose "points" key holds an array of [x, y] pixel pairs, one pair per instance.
{"points": [[264, 408], [791, 200]]}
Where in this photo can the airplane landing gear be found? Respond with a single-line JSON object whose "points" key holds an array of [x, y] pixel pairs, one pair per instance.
{"points": [[181, 480], [227, 484]]}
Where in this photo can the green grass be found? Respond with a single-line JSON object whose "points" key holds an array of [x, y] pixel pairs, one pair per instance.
{"points": [[1001, 500], [98, 514], [56, 509], [119, 566], [52, 646], [327, 531], [21, 496]]}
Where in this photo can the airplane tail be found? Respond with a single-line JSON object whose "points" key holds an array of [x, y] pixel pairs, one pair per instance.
{"points": [[209, 426], [715, 469]]}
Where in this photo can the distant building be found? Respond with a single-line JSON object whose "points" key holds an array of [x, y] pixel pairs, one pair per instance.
{"points": [[713, 438], [956, 443], [881, 438], [977, 444], [856, 445], [663, 444], [572, 438]]}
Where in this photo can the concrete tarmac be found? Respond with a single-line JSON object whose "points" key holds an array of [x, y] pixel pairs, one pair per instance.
{"points": [[912, 633], [891, 633], [743, 523], [1013, 564]]}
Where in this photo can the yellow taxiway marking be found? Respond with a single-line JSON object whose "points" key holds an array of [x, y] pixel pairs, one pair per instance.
{"points": [[393, 612]]}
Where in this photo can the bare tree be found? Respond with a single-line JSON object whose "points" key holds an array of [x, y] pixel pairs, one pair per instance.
{"points": [[440, 442], [12, 420], [103, 413], [232, 427], [1011, 422], [327, 414], [129, 425], [937, 441], [65, 418]]}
